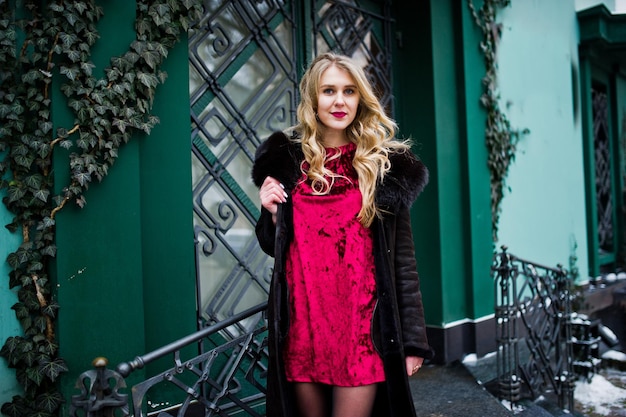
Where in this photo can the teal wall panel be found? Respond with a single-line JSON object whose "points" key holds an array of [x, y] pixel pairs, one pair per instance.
{"points": [[476, 184], [9, 326], [543, 214]]}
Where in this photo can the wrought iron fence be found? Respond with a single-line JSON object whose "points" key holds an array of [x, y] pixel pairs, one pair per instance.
{"points": [[533, 305], [216, 382]]}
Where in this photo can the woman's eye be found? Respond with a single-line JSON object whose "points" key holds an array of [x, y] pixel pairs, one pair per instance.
{"points": [[349, 91], [328, 91]]}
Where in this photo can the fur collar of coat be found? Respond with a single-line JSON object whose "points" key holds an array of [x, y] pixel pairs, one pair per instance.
{"points": [[280, 157]]}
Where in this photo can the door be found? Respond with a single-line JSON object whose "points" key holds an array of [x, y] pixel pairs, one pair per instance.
{"points": [[246, 57]]}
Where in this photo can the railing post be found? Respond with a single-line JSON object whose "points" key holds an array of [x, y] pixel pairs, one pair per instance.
{"points": [[567, 378], [98, 398], [506, 311]]}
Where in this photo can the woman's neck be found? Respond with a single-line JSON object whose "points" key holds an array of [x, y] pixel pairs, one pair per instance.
{"points": [[334, 139]]}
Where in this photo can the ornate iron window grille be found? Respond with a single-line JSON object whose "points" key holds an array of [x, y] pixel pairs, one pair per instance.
{"points": [[603, 174]]}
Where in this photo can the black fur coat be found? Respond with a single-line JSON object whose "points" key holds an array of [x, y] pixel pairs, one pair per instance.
{"points": [[398, 324]]}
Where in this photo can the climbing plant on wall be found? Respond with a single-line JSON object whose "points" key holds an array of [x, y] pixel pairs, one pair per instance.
{"points": [[46, 45], [500, 139]]}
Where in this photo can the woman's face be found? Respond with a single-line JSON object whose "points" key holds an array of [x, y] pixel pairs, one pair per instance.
{"points": [[337, 101]]}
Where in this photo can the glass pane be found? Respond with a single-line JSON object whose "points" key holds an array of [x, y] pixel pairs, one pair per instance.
{"points": [[242, 71]]}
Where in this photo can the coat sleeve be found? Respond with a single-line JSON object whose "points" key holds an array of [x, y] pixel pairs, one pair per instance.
{"points": [[408, 291], [266, 232]]}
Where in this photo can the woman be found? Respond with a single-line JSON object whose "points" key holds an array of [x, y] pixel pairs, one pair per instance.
{"points": [[346, 323]]}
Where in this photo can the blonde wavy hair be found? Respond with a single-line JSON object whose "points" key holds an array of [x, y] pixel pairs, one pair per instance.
{"points": [[372, 131]]}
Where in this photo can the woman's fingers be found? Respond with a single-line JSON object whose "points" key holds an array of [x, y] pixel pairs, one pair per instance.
{"points": [[413, 364], [272, 193]]}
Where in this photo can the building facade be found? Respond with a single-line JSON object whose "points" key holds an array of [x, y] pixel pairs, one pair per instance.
{"points": [[165, 244]]}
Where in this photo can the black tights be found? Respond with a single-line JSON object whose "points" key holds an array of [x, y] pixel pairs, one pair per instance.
{"points": [[318, 400]]}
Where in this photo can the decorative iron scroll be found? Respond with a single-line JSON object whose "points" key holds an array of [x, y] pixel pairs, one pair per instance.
{"points": [[223, 381], [533, 304]]}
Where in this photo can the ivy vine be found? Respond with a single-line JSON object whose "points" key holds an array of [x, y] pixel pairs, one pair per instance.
{"points": [[46, 41], [501, 140]]}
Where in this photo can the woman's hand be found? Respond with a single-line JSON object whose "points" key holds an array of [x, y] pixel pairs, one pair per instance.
{"points": [[272, 193], [413, 364]]}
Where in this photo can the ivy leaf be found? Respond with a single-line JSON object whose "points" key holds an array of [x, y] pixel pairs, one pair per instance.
{"points": [[47, 347], [35, 374], [73, 56], [50, 250], [29, 357], [149, 80], [120, 124], [70, 73], [49, 401], [13, 260], [91, 37], [46, 223], [80, 7], [118, 62], [5, 110], [40, 323], [83, 178], [52, 369], [42, 194], [50, 310], [15, 193], [98, 97], [68, 39], [11, 345], [26, 323], [20, 310], [81, 202], [143, 26], [162, 9], [151, 57], [25, 161], [31, 76], [33, 181], [17, 108], [87, 67], [35, 267], [15, 408], [71, 18]]}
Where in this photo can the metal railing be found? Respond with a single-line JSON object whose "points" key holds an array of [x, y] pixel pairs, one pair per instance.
{"points": [[216, 382], [533, 304]]}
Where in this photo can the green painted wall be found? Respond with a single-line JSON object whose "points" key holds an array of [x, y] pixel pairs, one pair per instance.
{"points": [[438, 79], [543, 214], [125, 265]]}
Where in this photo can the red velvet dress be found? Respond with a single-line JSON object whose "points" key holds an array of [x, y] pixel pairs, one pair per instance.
{"points": [[332, 290]]}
